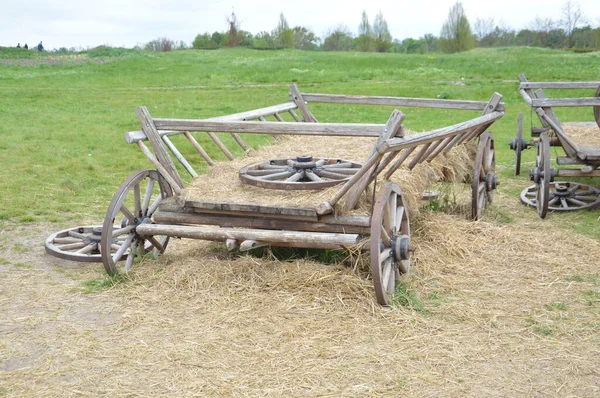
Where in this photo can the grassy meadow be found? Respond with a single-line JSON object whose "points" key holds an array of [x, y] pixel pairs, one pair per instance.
{"points": [[62, 154]]}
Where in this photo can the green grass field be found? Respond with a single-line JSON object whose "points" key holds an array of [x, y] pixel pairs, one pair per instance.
{"points": [[62, 118]]}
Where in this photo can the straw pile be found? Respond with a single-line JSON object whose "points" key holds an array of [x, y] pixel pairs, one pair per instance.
{"points": [[586, 134], [222, 184]]}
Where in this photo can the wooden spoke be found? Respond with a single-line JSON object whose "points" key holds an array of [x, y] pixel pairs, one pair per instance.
{"points": [[147, 196], [137, 201], [564, 196], [390, 230], [76, 244], [484, 175], [120, 244], [299, 173]]}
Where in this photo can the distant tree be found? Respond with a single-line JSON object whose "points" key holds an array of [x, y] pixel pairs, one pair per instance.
{"points": [[218, 38], [245, 38], [483, 28], [432, 43], [596, 39], [283, 34], [456, 34], [204, 41], [572, 17], [264, 40], [161, 44], [338, 39], [366, 39], [527, 37], [232, 34], [304, 39], [383, 38]]}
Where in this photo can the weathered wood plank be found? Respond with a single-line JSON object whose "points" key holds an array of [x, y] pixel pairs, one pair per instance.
{"points": [[405, 154], [251, 208], [160, 151], [300, 102], [163, 172], [221, 146], [397, 101], [276, 238], [172, 126], [565, 102], [559, 85], [434, 135], [179, 157], [326, 224], [199, 148], [393, 128]]}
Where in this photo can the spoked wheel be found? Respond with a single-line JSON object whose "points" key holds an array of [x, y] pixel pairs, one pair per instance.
{"points": [[390, 242], [565, 196], [133, 204], [518, 144], [76, 244], [597, 108], [302, 172], [484, 175], [542, 175]]}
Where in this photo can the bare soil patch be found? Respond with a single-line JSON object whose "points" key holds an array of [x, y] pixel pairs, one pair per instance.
{"points": [[495, 310]]}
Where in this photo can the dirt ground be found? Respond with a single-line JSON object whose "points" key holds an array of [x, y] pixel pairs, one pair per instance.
{"points": [[494, 309]]}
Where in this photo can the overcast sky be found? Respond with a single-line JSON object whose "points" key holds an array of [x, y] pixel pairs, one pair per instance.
{"points": [[81, 23]]}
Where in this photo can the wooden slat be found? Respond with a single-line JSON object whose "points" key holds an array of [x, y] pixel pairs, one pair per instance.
{"points": [[397, 101], [296, 118], [559, 85], [160, 152], [419, 157], [566, 102], [199, 148], [393, 128], [405, 154], [251, 208], [172, 126], [180, 157], [300, 102], [161, 169], [434, 135], [221, 146], [254, 114]]}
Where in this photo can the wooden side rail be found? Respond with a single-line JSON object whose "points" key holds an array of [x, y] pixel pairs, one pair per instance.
{"points": [[399, 101]]}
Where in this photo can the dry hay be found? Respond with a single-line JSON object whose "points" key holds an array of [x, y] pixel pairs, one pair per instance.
{"points": [[496, 310], [587, 134], [222, 184]]}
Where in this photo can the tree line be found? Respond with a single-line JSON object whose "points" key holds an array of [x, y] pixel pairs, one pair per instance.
{"points": [[571, 31]]}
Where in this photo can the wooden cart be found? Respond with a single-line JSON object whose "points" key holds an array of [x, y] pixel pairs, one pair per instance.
{"points": [[547, 194], [150, 206]]}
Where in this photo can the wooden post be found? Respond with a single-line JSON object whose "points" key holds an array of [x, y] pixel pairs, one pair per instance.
{"points": [[393, 128], [296, 96], [159, 150], [221, 146]]}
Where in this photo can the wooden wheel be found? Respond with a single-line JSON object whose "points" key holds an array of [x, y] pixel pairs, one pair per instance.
{"points": [[565, 196], [484, 175], [597, 108], [76, 244], [542, 175], [302, 172], [390, 242], [133, 204]]}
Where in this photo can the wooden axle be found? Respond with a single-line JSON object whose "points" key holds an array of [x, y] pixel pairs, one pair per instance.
{"points": [[276, 238]]}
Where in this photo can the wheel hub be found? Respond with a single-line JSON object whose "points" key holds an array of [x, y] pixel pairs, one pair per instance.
{"points": [[516, 144], [401, 247], [491, 182], [94, 237]]}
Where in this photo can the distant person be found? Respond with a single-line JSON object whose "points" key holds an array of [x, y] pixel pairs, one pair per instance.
{"points": [[18, 45], [26, 47], [40, 47]]}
